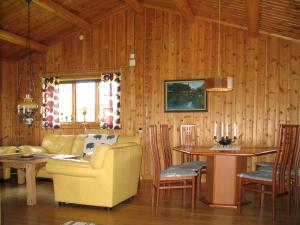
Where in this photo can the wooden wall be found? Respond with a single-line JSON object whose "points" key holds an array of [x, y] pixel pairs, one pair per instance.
{"points": [[106, 48], [7, 103], [266, 75]]}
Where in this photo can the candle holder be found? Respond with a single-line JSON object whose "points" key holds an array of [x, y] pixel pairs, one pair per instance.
{"points": [[225, 141]]}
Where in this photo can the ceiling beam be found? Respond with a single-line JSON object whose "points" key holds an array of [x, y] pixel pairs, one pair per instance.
{"points": [[136, 5], [185, 9], [253, 17], [19, 40], [65, 14]]}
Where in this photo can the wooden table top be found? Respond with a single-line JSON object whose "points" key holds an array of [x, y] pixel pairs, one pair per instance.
{"points": [[35, 158], [244, 151]]}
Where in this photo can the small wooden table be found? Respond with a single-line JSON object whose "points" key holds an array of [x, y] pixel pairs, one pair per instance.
{"points": [[27, 168], [222, 169]]}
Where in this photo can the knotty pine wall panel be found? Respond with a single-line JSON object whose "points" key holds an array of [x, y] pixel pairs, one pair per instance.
{"points": [[8, 118], [106, 48], [266, 75], [265, 70]]}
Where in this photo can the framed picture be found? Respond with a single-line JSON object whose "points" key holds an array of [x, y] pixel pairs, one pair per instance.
{"points": [[185, 95]]}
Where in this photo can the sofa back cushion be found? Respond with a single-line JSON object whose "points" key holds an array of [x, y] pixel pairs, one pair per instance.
{"points": [[79, 142], [58, 144], [126, 139]]}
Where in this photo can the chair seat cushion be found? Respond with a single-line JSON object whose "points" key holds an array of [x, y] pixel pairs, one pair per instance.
{"points": [[195, 166], [264, 164], [268, 169], [177, 172], [257, 175]]}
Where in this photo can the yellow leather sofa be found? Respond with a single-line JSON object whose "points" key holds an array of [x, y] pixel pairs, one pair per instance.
{"points": [[5, 172], [66, 145], [110, 177]]}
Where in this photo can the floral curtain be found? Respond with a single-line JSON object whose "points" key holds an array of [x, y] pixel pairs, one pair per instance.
{"points": [[49, 109], [110, 92]]}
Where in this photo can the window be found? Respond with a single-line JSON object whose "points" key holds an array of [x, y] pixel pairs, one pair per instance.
{"points": [[91, 101], [78, 101]]}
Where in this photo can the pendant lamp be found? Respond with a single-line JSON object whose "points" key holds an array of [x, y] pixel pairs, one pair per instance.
{"points": [[219, 83], [28, 107]]}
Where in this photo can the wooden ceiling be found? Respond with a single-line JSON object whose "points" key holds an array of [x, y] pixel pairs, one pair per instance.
{"points": [[52, 19]]}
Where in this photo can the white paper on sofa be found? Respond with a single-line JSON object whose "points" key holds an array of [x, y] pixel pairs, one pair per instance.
{"points": [[92, 141]]}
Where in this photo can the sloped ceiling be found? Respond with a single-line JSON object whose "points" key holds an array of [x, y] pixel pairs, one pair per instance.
{"points": [[279, 17]]}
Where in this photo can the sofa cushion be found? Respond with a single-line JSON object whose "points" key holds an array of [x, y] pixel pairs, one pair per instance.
{"points": [[92, 141], [126, 139], [58, 144], [33, 149], [7, 149], [78, 144]]}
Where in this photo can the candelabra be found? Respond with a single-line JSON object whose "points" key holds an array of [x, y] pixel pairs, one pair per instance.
{"points": [[225, 140]]}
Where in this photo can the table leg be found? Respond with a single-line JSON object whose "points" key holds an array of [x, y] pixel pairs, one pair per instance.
{"points": [[21, 176], [221, 187], [30, 184]]}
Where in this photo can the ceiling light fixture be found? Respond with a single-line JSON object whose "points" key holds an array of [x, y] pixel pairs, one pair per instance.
{"points": [[219, 83], [28, 107]]}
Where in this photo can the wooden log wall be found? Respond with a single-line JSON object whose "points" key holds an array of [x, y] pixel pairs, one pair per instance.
{"points": [[266, 73]]}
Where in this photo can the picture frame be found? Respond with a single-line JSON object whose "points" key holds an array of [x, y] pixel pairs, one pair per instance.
{"points": [[185, 96]]}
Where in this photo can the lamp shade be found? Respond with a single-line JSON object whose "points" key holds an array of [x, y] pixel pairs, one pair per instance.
{"points": [[219, 84], [26, 109]]}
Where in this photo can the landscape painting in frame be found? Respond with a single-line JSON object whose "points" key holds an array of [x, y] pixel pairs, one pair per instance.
{"points": [[185, 95]]}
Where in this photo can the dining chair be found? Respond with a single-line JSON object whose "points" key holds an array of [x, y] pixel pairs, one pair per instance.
{"points": [[188, 134], [268, 166], [169, 178], [295, 182], [188, 137], [197, 166], [278, 181]]}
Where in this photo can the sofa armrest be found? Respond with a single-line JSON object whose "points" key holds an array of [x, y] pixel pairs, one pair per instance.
{"points": [[71, 167], [33, 149]]}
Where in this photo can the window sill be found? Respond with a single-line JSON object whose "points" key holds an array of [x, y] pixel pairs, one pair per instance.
{"points": [[80, 126]]}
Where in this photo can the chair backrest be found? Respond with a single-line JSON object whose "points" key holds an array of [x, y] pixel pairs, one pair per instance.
{"points": [[297, 161], [297, 155], [152, 133], [166, 147], [188, 134], [289, 135]]}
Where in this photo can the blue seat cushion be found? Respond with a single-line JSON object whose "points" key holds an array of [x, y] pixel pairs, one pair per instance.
{"points": [[177, 172], [195, 166], [264, 164], [269, 169], [257, 175]]}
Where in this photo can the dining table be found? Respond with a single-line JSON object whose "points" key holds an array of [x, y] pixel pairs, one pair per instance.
{"points": [[223, 165]]}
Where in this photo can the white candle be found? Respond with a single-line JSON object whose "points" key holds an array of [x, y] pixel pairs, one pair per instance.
{"points": [[227, 125], [215, 130], [222, 129], [23, 110]]}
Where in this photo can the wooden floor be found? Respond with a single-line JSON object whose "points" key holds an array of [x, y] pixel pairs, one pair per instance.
{"points": [[135, 211]]}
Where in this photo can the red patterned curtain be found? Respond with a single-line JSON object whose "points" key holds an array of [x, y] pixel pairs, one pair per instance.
{"points": [[50, 110], [110, 93]]}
